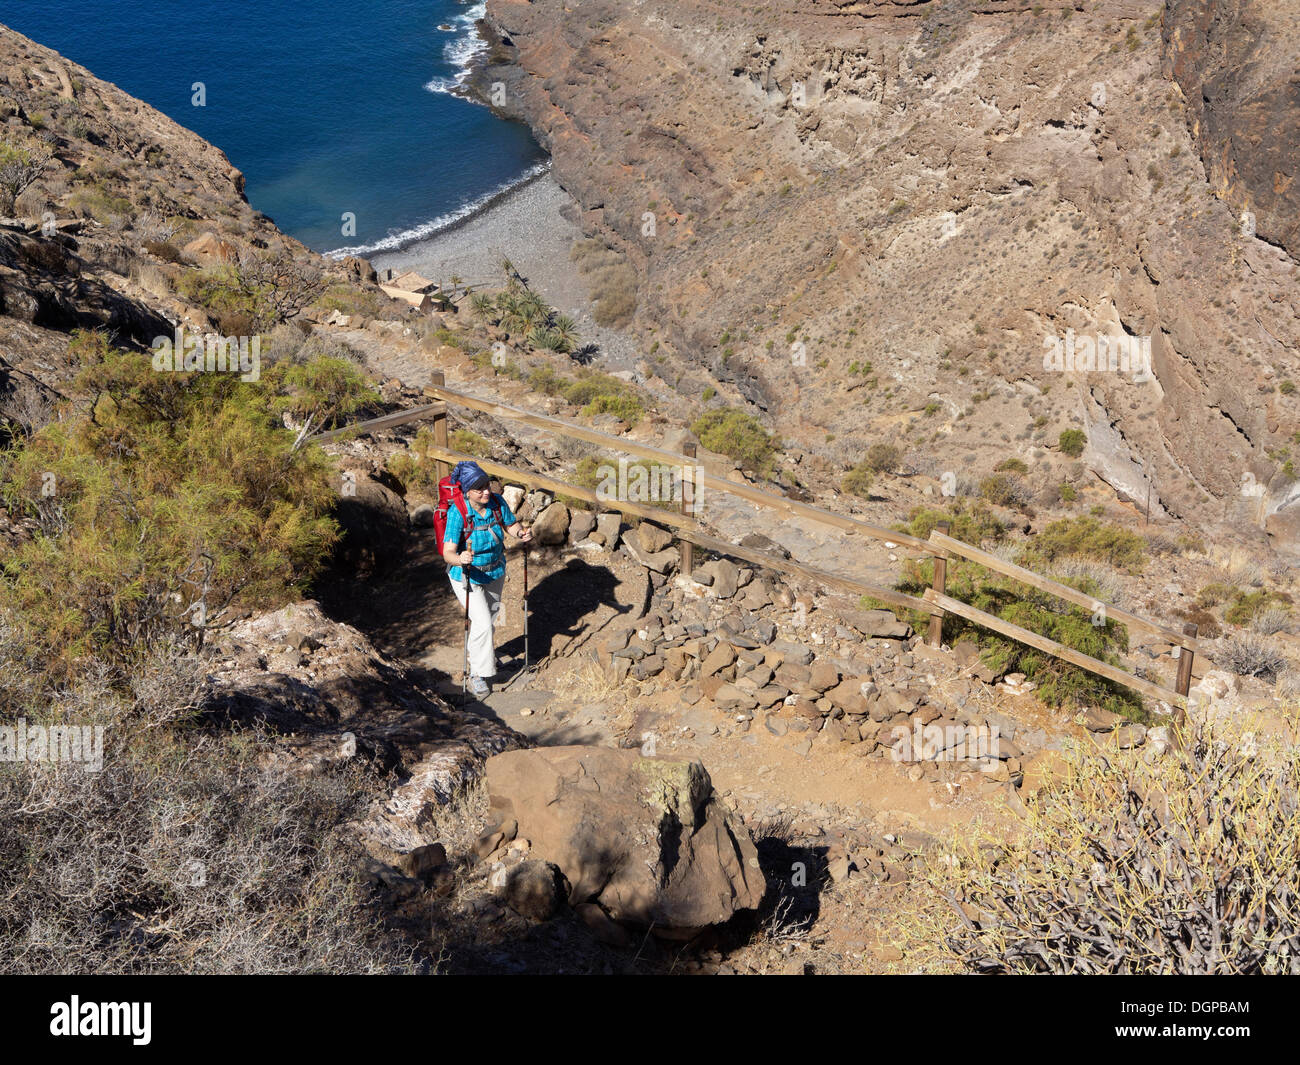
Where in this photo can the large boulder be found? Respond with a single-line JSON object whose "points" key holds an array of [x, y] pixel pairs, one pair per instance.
{"points": [[646, 838], [552, 524], [581, 522]]}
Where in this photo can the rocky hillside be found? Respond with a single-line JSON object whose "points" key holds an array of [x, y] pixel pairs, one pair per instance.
{"points": [[880, 219], [123, 209]]}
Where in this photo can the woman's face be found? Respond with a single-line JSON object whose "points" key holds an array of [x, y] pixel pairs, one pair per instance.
{"points": [[478, 496]]}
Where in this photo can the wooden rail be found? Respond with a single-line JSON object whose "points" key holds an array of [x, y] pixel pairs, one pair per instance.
{"points": [[671, 458], [386, 421], [940, 546], [687, 530], [1064, 591], [1057, 650]]}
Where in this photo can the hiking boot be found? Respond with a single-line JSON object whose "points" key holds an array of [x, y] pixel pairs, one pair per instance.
{"points": [[479, 686]]}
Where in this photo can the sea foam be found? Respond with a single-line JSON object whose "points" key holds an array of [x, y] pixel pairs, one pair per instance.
{"points": [[462, 51], [405, 237]]}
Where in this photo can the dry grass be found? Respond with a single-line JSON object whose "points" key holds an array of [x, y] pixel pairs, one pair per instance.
{"points": [[610, 278], [1109, 582], [153, 280], [1238, 567], [184, 853]]}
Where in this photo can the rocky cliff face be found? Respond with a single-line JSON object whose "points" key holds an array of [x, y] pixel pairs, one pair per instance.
{"points": [[894, 221], [1236, 62]]}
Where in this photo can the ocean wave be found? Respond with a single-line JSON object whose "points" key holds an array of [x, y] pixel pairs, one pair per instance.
{"points": [[464, 49], [462, 214]]}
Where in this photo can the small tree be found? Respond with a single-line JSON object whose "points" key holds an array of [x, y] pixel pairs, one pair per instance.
{"points": [[279, 283], [21, 163]]}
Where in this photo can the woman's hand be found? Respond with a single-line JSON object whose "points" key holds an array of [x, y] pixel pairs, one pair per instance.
{"points": [[525, 535], [465, 558]]}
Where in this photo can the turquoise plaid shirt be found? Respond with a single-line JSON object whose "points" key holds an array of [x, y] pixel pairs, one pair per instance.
{"points": [[486, 539]]}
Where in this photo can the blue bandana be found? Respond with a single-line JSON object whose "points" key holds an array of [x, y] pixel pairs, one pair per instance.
{"points": [[469, 475]]}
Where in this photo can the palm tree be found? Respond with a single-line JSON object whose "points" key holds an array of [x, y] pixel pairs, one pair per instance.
{"points": [[532, 309], [541, 336], [566, 331], [483, 306], [508, 310]]}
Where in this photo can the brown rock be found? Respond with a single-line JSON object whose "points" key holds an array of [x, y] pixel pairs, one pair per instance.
{"points": [[581, 523], [602, 926], [644, 837], [717, 660], [823, 676], [536, 890], [651, 538], [552, 524], [208, 250]]}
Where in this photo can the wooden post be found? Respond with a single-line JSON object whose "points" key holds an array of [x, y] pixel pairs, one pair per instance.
{"points": [[939, 585], [438, 380], [1185, 656], [688, 506]]}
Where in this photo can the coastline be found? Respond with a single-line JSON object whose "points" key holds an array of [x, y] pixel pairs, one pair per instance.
{"points": [[532, 224]]}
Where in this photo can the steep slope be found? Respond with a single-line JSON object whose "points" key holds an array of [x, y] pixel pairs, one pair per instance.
{"points": [[877, 220]]}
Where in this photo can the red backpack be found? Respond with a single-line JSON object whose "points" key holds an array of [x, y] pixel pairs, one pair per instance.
{"points": [[449, 494]]}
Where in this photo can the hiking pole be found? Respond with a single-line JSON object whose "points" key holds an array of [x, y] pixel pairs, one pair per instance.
{"points": [[524, 668], [464, 677]]}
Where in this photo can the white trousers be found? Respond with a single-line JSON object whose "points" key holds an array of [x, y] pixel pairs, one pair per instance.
{"points": [[484, 606]]}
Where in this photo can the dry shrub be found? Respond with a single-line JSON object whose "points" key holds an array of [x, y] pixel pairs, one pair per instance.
{"points": [[1239, 568], [1251, 655], [1271, 620], [1130, 863], [183, 854], [1108, 581], [153, 280]]}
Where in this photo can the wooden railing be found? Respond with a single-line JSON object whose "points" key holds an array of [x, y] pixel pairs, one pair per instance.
{"points": [[940, 546]]}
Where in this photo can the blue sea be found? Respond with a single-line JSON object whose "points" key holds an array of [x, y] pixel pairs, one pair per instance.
{"points": [[330, 107]]}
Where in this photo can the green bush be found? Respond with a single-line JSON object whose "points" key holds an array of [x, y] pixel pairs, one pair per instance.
{"points": [[971, 523], [595, 392], [1088, 538], [470, 443], [1003, 490], [1215, 593], [1248, 605], [1071, 442], [625, 407], [595, 469], [1057, 683], [1011, 465], [857, 482], [882, 458], [737, 434], [179, 498]]}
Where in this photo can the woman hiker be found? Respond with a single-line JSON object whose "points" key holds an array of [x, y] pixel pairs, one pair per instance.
{"points": [[483, 560]]}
